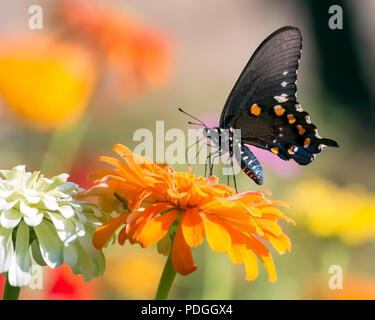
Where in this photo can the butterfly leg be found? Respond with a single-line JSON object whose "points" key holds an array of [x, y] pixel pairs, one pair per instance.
{"points": [[234, 176], [192, 145], [207, 164], [210, 163], [215, 155]]}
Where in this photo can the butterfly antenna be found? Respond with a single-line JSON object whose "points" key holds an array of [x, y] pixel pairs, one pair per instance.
{"points": [[179, 109], [196, 124]]}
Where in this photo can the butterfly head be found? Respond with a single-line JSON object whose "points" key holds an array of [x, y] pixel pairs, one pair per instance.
{"points": [[213, 134]]}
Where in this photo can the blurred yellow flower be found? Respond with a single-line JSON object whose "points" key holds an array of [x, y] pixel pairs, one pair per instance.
{"points": [[331, 210], [134, 275], [46, 82]]}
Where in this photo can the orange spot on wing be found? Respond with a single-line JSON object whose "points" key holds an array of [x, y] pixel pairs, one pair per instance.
{"points": [[255, 110], [290, 150], [279, 110], [291, 118], [301, 130], [307, 142]]}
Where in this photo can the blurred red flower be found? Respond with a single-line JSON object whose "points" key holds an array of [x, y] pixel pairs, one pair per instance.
{"points": [[2, 283], [62, 284]]}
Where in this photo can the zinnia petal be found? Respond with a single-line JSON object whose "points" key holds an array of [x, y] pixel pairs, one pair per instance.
{"points": [[106, 231], [50, 245], [19, 273], [182, 257], [217, 236], [6, 249], [10, 218], [156, 228], [192, 227]]}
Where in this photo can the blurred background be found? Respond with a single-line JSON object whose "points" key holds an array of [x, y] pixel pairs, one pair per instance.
{"points": [[99, 70]]}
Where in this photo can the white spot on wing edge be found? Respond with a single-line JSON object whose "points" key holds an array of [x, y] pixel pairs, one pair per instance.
{"points": [[298, 107], [281, 98], [317, 134]]}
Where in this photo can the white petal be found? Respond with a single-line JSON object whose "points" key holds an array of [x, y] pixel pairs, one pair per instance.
{"points": [[30, 198], [65, 228], [80, 229], [19, 273], [85, 263], [50, 245], [87, 245], [76, 207], [6, 249], [50, 202], [66, 211], [32, 179], [70, 255], [68, 187], [63, 176], [26, 210], [56, 182], [67, 236], [4, 194], [10, 218], [4, 205], [97, 212], [34, 220], [82, 218], [36, 254]]}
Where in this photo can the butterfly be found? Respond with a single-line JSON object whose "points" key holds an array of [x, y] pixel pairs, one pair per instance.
{"points": [[264, 107]]}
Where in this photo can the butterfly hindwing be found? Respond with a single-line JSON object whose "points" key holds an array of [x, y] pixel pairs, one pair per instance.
{"points": [[271, 71], [282, 127]]}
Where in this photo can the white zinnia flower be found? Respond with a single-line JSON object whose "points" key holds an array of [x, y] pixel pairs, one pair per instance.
{"points": [[41, 222]]}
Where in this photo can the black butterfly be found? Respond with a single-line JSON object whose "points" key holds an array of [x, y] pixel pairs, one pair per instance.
{"points": [[263, 106]]}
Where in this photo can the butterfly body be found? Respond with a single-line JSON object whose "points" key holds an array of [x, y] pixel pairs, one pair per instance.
{"points": [[263, 105]]}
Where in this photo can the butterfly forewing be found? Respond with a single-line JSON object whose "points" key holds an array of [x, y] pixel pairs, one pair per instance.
{"points": [[271, 71]]}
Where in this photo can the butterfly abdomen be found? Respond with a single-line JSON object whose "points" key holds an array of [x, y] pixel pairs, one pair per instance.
{"points": [[250, 165]]}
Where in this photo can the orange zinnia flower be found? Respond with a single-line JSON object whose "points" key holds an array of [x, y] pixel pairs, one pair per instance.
{"points": [[162, 201], [139, 56]]}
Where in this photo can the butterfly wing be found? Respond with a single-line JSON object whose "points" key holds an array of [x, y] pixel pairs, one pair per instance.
{"points": [[282, 127], [271, 71]]}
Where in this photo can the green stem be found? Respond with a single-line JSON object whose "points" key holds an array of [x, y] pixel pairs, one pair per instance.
{"points": [[166, 280], [10, 293]]}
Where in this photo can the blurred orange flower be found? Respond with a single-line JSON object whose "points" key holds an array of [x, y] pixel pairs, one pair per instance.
{"points": [[160, 200], [47, 83], [139, 56], [355, 287]]}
